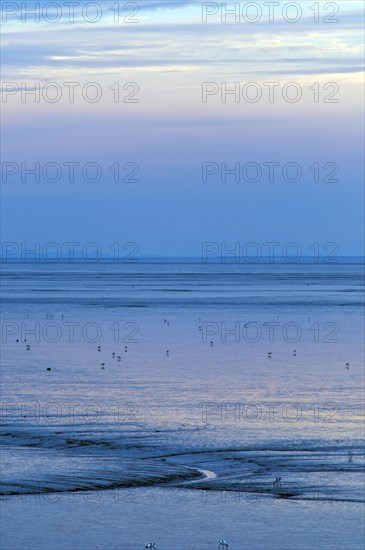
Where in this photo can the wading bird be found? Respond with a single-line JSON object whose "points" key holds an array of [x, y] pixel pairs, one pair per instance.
{"points": [[277, 482]]}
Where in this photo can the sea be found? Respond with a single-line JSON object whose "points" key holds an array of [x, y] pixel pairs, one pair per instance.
{"points": [[240, 381]]}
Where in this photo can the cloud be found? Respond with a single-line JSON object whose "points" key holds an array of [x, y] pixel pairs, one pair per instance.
{"points": [[160, 44]]}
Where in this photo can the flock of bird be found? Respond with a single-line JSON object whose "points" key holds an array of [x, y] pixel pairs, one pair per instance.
{"points": [[166, 323], [114, 356], [222, 545], [269, 353], [119, 357]]}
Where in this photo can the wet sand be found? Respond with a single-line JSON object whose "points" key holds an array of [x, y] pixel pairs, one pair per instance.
{"points": [[177, 519]]}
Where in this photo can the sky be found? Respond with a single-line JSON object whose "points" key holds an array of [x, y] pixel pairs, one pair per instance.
{"points": [[141, 154]]}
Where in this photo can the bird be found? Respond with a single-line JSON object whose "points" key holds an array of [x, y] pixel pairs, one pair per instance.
{"points": [[269, 354], [125, 349], [168, 353], [103, 364], [223, 545], [350, 456], [211, 343], [99, 348], [113, 355], [295, 353], [48, 368], [119, 358], [163, 459], [347, 366], [150, 545], [277, 482], [28, 347]]}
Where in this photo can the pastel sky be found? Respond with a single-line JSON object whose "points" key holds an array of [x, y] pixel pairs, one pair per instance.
{"points": [[169, 133]]}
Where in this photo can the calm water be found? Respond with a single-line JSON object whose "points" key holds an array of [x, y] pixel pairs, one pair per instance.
{"points": [[221, 376]]}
